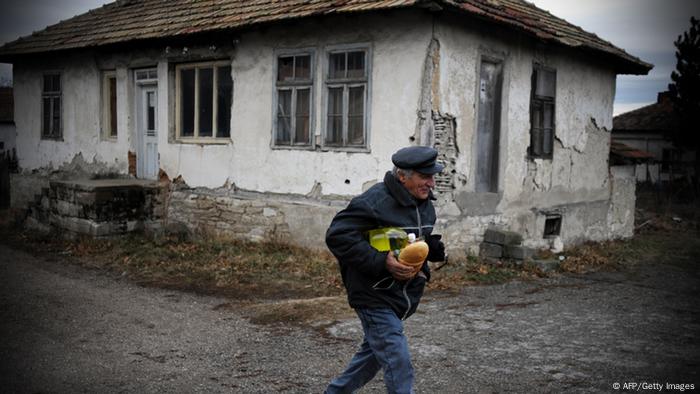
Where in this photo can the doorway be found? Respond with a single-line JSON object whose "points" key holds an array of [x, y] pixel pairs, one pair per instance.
{"points": [[488, 126], [147, 125]]}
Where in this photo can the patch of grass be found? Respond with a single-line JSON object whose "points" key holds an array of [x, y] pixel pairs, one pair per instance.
{"points": [[237, 269], [666, 247], [476, 271]]}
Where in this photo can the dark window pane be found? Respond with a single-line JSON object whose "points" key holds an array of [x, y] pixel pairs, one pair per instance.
{"points": [[224, 97], [285, 68], [302, 67], [356, 99], [356, 105], [46, 127], [187, 101], [334, 133], [548, 128], [301, 135], [336, 68], [56, 82], [113, 107], [546, 81], [56, 121], [206, 102], [548, 115], [356, 64], [284, 118], [150, 113], [52, 83], [536, 131]]}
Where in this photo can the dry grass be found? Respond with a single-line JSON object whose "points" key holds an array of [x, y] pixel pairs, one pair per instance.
{"points": [[279, 283]]}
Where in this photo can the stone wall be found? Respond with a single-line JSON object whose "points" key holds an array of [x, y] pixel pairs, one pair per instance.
{"points": [[623, 187], [254, 217], [97, 207]]}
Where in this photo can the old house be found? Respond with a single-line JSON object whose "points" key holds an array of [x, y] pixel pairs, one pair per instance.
{"points": [[269, 115], [650, 128]]}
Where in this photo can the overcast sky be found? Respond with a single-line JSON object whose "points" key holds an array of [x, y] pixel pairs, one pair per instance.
{"points": [[644, 28]]}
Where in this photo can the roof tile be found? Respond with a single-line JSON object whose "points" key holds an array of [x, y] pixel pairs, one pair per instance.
{"points": [[125, 21]]}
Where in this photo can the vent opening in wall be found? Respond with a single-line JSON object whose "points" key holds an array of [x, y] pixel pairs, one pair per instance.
{"points": [[552, 226]]}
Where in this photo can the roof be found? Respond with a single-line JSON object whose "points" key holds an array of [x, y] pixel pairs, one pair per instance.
{"points": [[136, 20], [657, 117], [621, 153], [6, 105]]}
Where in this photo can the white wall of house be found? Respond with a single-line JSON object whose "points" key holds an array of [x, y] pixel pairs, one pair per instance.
{"points": [[397, 47], [81, 114], [575, 182]]}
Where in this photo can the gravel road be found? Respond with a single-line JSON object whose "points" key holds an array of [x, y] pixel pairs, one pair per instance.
{"points": [[66, 329]]}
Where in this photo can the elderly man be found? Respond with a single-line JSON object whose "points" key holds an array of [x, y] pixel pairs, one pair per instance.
{"points": [[383, 291]]}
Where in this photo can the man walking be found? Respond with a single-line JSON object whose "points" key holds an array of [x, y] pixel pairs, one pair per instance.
{"points": [[383, 291]]}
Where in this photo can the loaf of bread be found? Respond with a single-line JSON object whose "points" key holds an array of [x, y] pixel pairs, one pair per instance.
{"points": [[414, 255]]}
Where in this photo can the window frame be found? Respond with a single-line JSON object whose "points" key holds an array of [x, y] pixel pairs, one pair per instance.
{"points": [[294, 86], [346, 83], [53, 94], [215, 65], [541, 102], [107, 132]]}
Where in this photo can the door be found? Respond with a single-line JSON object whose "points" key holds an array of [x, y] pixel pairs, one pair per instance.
{"points": [[147, 126], [488, 127]]}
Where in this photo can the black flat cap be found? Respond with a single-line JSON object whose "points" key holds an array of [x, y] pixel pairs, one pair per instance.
{"points": [[417, 158]]}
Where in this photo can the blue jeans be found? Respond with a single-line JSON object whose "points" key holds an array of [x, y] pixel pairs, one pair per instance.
{"points": [[384, 347]]}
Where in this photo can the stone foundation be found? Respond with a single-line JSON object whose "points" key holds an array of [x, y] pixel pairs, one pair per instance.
{"points": [[97, 207]]}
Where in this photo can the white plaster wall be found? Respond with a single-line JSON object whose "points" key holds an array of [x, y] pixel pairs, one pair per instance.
{"points": [[585, 92], [398, 47], [81, 114]]}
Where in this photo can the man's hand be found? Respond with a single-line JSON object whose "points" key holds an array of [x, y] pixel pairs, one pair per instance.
{"points": [[396, 269]]}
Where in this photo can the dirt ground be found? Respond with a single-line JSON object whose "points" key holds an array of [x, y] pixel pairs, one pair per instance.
{"points": [[68, 329]]}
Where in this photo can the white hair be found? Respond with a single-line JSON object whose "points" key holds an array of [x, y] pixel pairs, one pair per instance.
{"points": [[401, 171]]}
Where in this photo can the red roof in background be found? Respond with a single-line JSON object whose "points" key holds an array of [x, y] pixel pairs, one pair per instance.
{"points": [[132, 20], [657, 117], [621, 152]]}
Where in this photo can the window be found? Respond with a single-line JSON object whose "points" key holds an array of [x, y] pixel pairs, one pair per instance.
{"points": [[346, 98], [203, 105], [109, 104], [294, 84], [542, 112], [51, 106], [552, 225]]}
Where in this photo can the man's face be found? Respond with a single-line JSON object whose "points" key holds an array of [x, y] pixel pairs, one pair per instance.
{"points": [[419, 185]]}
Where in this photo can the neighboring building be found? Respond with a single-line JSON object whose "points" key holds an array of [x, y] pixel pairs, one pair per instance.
{"points": [[274, 113], [7, 123], [649, 128]]}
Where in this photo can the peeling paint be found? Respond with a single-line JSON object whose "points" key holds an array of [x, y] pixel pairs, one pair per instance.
{"points": [[429, 101]]}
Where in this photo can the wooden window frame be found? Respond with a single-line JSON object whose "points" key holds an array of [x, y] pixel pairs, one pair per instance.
{"points": [[346, 83], [52, 95], [110, 124], [196, 138], [294, 85], [538, 136]]}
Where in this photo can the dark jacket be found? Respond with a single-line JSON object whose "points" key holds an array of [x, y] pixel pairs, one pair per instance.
{"points": [[363, 268]]}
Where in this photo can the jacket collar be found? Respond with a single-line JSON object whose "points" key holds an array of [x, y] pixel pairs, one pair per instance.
{"points": [[400, 193]]}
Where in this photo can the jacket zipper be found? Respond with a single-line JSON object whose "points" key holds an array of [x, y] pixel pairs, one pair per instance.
{"points": [[405, 285], [405, 294]]}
